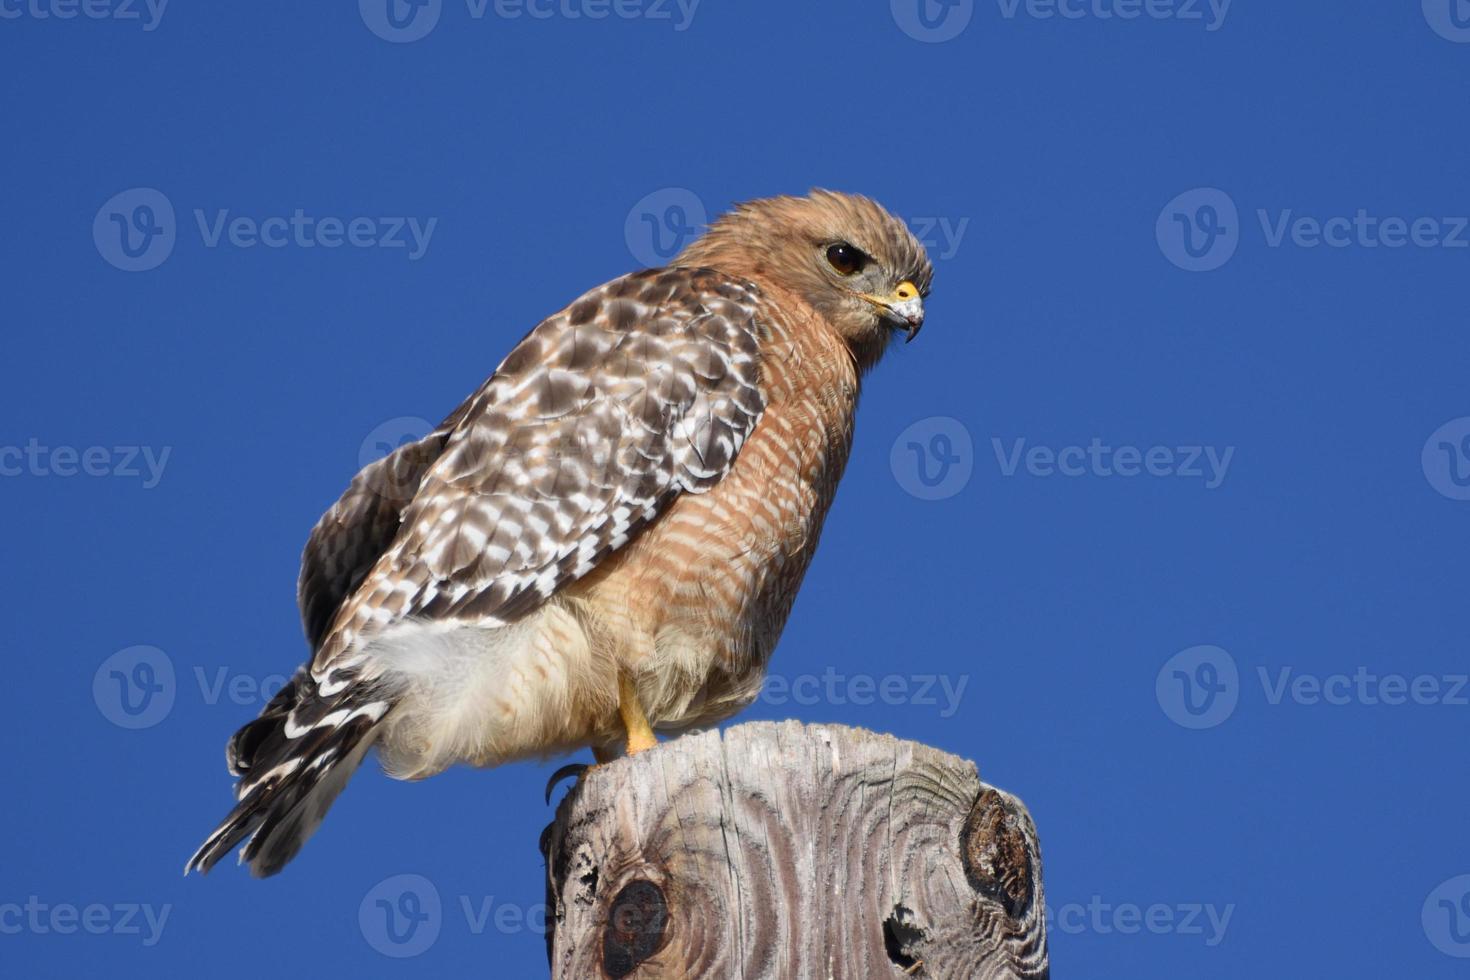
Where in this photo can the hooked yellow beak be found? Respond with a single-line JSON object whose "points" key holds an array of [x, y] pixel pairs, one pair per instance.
{"points": [[905, 307]]}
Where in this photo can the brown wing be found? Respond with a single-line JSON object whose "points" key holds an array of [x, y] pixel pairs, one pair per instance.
{"points": [[353, 534], [641, 390]]}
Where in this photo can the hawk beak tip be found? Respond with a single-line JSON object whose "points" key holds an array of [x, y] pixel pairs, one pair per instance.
{"points": [[902, 311]]}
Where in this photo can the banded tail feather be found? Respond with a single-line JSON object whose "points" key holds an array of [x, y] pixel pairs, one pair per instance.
{"points": [[292, 762]]}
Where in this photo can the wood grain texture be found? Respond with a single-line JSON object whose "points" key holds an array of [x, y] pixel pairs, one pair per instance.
{"points": [[791, 851]]}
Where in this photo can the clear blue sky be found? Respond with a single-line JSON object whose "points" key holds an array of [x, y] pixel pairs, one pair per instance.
{"points": [[1114, 208]]}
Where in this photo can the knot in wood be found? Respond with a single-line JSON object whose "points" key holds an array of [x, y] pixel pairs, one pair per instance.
{"points": [[996, 855], [636, 921]]}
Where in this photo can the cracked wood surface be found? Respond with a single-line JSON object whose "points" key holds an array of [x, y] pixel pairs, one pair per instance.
{"points": [[779, 850]]}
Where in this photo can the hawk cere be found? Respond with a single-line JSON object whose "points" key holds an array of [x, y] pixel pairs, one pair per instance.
{"points": [[605, 539]]}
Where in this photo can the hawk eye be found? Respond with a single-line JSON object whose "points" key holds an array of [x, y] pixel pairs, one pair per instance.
{"points": [[847, 260]]}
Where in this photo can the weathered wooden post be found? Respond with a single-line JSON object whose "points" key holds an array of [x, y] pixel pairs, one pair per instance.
{"points": [[792, 852]]}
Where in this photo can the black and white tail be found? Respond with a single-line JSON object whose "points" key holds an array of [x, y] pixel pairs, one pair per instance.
{"points": [[292, 762]]}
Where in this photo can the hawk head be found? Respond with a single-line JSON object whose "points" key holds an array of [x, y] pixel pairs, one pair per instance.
{"points": [[848, 258]]}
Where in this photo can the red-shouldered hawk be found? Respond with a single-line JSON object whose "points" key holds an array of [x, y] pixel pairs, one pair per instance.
{"points": [[605, 539]]}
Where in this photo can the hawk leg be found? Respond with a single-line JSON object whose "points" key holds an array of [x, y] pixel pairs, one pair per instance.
{"points": [[635, 722]]}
